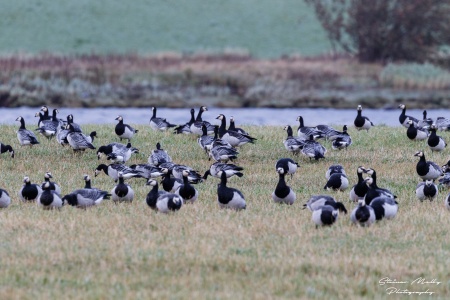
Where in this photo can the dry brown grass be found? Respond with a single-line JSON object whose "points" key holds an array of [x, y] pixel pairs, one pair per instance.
{"points": [[202, 252]]}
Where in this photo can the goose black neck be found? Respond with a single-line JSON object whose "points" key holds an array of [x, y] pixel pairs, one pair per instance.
{"points": [[199, 116]]}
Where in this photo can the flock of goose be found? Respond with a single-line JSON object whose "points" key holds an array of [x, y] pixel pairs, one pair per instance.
{"points": [[221, 144]]}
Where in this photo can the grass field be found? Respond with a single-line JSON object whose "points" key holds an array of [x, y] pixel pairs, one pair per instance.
{"points": [[263, 28], [202, 252]]}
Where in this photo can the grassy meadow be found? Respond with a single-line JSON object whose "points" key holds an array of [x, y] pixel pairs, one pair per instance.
{"points": [[268, 251]]}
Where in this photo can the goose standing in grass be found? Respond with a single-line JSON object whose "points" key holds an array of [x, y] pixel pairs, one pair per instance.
{"points": [[124, 131], [404, 118], [147, 171], [5, 199], [185, 128], [196, 127], [29, 191], [425, 122], [154, 194], [415, 133], [361, 122], [113, 170], [373, 191], [116, 152], [342, 141], [169, 183], [76, 127], [229, 169], [229, 197], [325, 216], [304, 132], [435, 142], [363, 214], [234, 138], [205, 141], [49, 128], [427, 190], [334, 169], [61, 135], [193, 176], [44, 115], [328, 131], [443, 123], [292, 144], [359, 190], [384, 207], [289, 166], [221, 153], [427, 170], [317, 201], [233, 127], [283, 193], [122, 192], [53, 186], [159, 156], [169, 202], [84, 198], [49, 199], [25, 136], [313, 149], [77, 140], [159, 124], [186, 190], [6, 148], [337, 182]]}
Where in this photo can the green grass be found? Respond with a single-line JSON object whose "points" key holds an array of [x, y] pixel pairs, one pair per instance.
{"points": [[263, 28], [202, 252]]}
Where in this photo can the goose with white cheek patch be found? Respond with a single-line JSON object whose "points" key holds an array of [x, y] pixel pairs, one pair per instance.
{"points": [[159, 124], [185, 128], [334, 169], [317, 201], [415, 133], [291, 143], [113, 170], [362, 122], [124, 131], [170, 184], [427, 170], [404, 118], [154, 194], [289, 166], [337, 182], [325, 216], [53, 186], [193, 176], [25, 136], [229, 169], [283, 193], [29, 191], [196, 127], [384, 207], [234, 138], [233, 127], [116, 152], [229, 197], [373, 191], [6, 148], [122, 192], [435, 142], [49, 199], [359, 190], [427, 190], [159, 156], [363, 215], [5, 199], [76, 127], [186, 190], [49, 128], [169, 202]]}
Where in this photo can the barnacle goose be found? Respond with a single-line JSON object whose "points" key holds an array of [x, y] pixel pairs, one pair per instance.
{"points": [[337, 182], [233, 127], [425, 122], [154, 194], [196, 127], [373, 190], [415, 133], [304, 132], [403, 118], [435, 142], [76, 127], [327, 130], [335, 134], [229, 197], [159, 156], [313, 149], [235, 138], [205, 141], [222, 153], [325, 216], [124, 131], [359, 190], [53, 186], [43, 116], [49, 128], [427, 170], [61, 135], [6, 148], [185, 128], [87, 181], [113, 170], [147, 171], [77, 140], [427, 190], [384, 207], [159, 124], [84, 198], [229, 169], [361, 122], [25, 136], [334, 169], [289, 166], [170, 184], [193, 176], [283, 193], [169, 202], [317, 201], [49, 199], [116, 152], [29, 191], [363, 214], [341, 141], [5, 199], [186, 190], [122, 192], [291, 143], [443, 123]]}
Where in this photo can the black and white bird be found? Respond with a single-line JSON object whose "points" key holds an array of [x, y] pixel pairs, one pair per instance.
{"points": [[49, 128], [363, 215], [233, 127], [304, 132], [122, 192], [117, 152], [221, 153], [427, 170], [435, 142], [76, 127], [229, 169], [443, 123], [84, 198], [404, 118], [337, 182], [87, 181], [234, 138], [205, 141], [78, 140], [359, 190], [186, 190], [113, 170], [159, 156], [124, 131], [342, 141], [196, 127], [6, 148], [159, 124], [445, 180], [49, 199], [325, 215], [328, 131], [427, 190], [185, 128], [170, 184], [5, 199], [193, 176], [29, 191], [361, 122], [44, 115], [147, 171], [292, 144], [373, 191], [425, 122], [415, 133], [154, 194], [169, 202], [313, 149], [53, 186], [336, 168], [384, 207], [317, 201], [229, 197], [289, 166], [283, 193], [25, 136]]}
